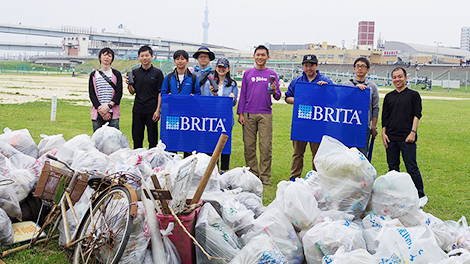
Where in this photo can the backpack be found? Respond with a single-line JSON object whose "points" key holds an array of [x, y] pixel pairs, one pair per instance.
{"points": [[192, 76]]}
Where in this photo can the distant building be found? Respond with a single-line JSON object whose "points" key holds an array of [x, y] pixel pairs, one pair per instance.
{"points": [[365, 33], [409, 52], [465, 38]]}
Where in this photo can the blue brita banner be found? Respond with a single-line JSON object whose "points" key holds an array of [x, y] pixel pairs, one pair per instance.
{"points": [[195, 122], [335, 110]]}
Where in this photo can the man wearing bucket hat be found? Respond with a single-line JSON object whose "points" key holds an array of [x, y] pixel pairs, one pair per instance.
{"points": [[203, 56], [310, 74]]}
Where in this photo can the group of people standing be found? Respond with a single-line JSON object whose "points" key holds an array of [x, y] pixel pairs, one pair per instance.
{"points": [[400, 115]]}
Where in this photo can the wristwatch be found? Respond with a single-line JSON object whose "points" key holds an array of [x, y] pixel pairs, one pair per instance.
{"points": [[110, 106], [414, 131]]}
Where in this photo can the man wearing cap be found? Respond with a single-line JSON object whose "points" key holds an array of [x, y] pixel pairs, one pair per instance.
{"points": [[204, 56], [310, 74], [361, 68]]}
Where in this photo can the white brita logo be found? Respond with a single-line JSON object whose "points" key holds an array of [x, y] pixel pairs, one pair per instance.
{"points": [[204, 124], [328, 114], [258, 79]]}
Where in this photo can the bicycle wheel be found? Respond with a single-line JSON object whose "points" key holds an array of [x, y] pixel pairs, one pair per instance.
{"points": [[103, 235]]}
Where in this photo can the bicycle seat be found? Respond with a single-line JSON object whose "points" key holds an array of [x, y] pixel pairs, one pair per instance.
{"points": [[95, 180]]}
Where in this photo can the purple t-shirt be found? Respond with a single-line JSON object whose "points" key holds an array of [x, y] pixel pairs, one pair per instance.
{"points": [[254, 97]]}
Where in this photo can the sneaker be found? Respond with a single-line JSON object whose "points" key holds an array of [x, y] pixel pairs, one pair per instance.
{"points": [[423, 201], [222, 172], [267, 183]]}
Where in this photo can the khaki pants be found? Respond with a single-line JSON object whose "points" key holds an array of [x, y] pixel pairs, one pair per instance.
{"points": [[298, 157], [261, 124]]}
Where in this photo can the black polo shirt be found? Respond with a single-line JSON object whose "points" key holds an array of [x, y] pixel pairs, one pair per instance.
{"points": [[147, 85]]}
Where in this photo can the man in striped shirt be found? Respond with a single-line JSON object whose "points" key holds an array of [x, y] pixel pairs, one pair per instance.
{"points": [[105, 90]]}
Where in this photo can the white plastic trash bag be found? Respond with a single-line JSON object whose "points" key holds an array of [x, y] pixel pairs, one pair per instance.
{"points": [[346, 176], [139, 239], [89, 161], [109, 139], [5, 164], [158, 157], [140, 161], [172, 255], [404, 245], [50, 142], [342, 256], [215, 236], [333, 215], [314, 183], [325, 239], [457, 256], [201, 166], [444, 236], [242, 178], [8, 199], [250, 200], [297, 202], [80, 142], [22, 161], [24, 182], [260, 250], [372, 225], [6, 230], [21, 140], [394, 194], [117, 157], [279, 228], [237, 216], [7, 150]]}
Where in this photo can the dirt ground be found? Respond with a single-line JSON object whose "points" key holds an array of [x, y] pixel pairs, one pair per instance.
{"points": [[17, 89]]}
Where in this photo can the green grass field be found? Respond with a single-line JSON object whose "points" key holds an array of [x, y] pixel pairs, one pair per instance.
{"points": [[443, 150]]}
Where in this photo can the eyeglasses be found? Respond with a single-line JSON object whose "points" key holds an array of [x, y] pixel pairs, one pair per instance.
{"points": [[360, 66]]}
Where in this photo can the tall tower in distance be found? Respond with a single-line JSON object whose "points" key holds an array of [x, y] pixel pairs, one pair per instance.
{"points": [[206, 24], [365, 33], [465, 38]]}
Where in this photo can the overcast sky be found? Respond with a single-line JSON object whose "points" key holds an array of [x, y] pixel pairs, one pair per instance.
{"points": [[245, 23]]}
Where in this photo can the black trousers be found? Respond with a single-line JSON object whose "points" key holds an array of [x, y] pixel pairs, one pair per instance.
{"points": [[139, 121]]}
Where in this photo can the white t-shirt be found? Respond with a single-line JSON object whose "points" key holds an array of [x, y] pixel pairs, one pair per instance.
{"points": [[220, 92], [181, 78]]}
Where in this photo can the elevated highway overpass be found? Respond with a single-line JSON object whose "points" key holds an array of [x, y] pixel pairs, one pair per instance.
{"points": [[87, 41]]}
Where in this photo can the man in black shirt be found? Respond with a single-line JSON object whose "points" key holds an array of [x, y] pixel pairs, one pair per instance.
{"points": [[400, 118], [147, 103]]}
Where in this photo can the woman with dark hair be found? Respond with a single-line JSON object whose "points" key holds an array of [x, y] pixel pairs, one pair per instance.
{"points": [[226, 87], [105, 90]]}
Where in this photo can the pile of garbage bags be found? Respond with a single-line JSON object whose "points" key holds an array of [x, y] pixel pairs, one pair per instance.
{"points": [[341, 213]]}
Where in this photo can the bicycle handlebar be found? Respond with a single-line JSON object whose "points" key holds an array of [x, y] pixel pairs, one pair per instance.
{"points": [[58, 160], [52, 157]]}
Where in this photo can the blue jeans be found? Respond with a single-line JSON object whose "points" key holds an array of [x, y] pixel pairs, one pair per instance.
{"points": [[100, 122], [408, 151]]}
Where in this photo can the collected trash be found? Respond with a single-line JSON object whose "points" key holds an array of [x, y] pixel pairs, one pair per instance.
{"points": [[346, 176], [109, 139], [342, 213], [6, 230]]}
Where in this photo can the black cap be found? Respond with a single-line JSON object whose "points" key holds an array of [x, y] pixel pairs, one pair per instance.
{"points": [[310, 58]]}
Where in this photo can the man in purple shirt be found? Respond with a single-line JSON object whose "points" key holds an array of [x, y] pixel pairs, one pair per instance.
{"points": [[255, 113]]}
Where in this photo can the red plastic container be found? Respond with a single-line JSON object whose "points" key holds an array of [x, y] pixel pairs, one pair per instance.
{"points": [[183, 243]]}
